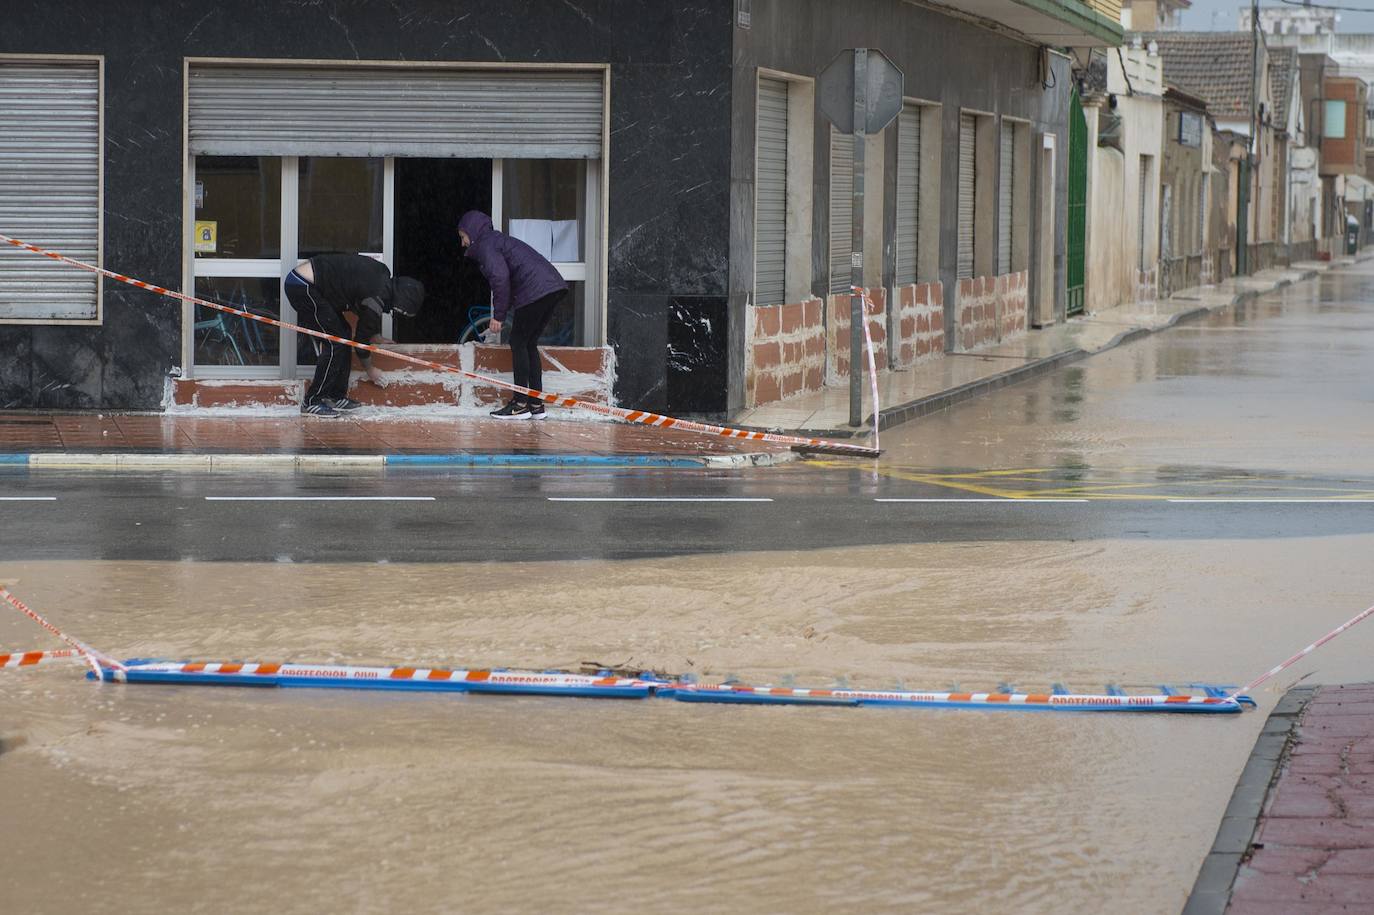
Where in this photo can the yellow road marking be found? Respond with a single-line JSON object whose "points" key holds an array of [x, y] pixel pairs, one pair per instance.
{"points": [[985, 483]]}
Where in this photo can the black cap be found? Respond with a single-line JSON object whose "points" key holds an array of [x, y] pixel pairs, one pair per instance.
{"points": [[407, 295]]}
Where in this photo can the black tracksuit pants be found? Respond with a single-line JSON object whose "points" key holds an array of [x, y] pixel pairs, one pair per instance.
{"points": [[333, 361], [527, 325]]}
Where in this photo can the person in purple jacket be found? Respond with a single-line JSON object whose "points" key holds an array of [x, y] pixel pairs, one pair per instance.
{"points": [[525, 290]]}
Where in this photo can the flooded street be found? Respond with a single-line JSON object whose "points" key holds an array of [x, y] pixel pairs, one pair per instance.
{"points": [[361, 801], [196, 798]]}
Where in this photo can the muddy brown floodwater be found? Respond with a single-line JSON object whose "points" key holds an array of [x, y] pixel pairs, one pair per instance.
{"points": [[301, 800]]}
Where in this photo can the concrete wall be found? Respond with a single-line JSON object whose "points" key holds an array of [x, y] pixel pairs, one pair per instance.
{"points": [[1118, 269]]}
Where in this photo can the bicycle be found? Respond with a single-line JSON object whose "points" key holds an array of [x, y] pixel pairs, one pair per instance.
{"points": [[479, 318]]}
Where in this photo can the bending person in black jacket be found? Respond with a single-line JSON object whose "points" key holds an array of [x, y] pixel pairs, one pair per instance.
{"points": [[321, 289]]}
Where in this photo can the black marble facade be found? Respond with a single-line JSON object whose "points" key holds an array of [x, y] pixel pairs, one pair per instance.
{"points": [[667, 166]]}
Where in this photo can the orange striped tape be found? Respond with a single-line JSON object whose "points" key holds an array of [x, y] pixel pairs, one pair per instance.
{"points": [[34, 658]]}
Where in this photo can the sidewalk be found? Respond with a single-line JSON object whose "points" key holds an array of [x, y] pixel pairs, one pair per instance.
{"points": [[1298, 835], [954, 377], [153, 441]]}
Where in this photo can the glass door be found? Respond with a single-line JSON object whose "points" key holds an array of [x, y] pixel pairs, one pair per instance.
{"points": [[551, 205], [238, 252], [342, 205], [256, 217]]}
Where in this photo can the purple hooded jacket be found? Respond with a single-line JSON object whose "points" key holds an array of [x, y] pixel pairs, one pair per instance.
{"points": [[516, 273]]}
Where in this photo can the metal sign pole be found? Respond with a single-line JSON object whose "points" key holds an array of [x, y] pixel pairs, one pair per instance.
{"points": [[856, 250], [860, 91]]}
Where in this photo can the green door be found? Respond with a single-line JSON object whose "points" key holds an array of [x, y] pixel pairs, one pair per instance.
{"points": [[1075, 269]]}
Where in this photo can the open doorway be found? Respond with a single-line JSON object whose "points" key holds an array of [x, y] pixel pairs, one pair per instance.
{"points": [[431, 195]]}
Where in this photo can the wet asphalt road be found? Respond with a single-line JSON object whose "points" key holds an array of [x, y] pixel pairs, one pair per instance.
{"points": [[1256, 422], [561, 515]]}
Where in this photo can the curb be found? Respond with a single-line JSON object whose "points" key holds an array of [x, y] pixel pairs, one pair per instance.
{"points": [[1212, 889], [139, 461], [933, 403]]}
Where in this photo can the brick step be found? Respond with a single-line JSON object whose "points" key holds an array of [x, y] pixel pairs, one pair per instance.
{"points": [[584, 372]]}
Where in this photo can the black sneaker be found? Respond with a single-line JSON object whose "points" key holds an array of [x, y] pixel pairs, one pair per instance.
{"points": [[319, 408], [513, 410], [536, 411], [344, 404]]}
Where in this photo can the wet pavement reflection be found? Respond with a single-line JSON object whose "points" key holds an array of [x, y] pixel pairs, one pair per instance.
{"points": [[1279, 383]]}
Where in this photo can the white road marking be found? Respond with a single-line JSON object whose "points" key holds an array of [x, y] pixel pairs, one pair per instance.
{"points": [[28, 498], [1007, 500], [1274, 501], [653, 499], [319, 498]]}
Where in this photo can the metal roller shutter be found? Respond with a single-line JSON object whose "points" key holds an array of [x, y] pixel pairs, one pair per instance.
{"points": [[49, 187], [364, 111], [770, 189], [1006, 167], [841, 210], [967, 186], [908, 193]]}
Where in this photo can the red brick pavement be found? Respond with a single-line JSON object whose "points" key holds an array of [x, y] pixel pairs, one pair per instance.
{"points": [[126, 432], [1314, 849]]}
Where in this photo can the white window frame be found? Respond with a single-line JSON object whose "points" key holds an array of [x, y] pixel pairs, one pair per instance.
{"points": [[592, 271], [99, 60], [583, 271]]}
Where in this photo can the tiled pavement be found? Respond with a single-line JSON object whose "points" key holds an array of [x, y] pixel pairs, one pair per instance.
{"points": [[1298, 836], [1314, 848], [29, 432]]}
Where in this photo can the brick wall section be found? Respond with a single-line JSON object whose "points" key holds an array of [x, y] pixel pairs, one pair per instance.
{"points": [[918, 324], [785, 354], [991, 309], [586, 372], [837, 334]]}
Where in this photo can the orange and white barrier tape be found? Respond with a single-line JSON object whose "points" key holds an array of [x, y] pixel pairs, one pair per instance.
{"points": [[92, 657], [739, 693], [1357, 618], [551, 683], [424, 678], [872, 363], [642, 417], [34, 658]]}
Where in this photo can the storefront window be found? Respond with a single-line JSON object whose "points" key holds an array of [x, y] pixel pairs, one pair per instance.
{"points": [[225, 339], [238, 207], [341, 203], [544, 204]]}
